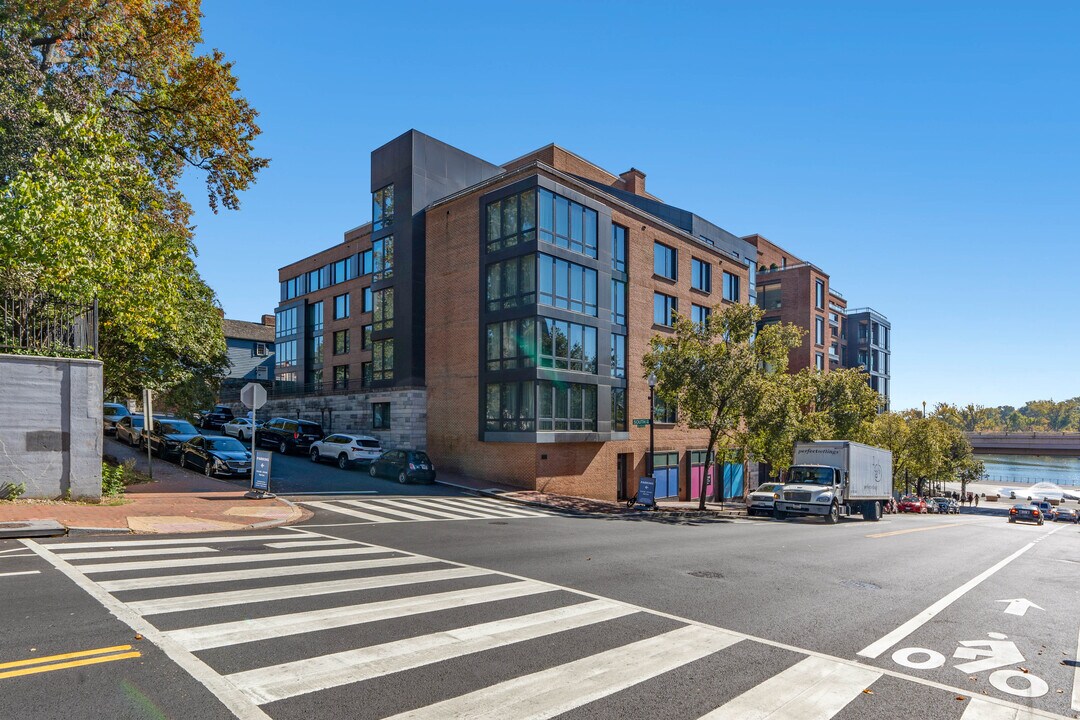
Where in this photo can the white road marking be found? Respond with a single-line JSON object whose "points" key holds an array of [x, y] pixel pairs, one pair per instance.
{"points": [[227, 560], [268, 684], [305, 543], [432, 505], [439, 508], [346, 511], [500, 506], [1076, 677], [65, 546], [22, 572], [336, 492], [876, 648], [981, 710], [283, 592], [386, 507], [1019, 606], [161, 581], [103, 554], [14, 549], [811, 689], [229, 696], [551, 692], [243, 631]]}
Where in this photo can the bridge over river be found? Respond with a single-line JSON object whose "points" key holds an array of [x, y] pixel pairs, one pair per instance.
{"points": [[1027, 443]]}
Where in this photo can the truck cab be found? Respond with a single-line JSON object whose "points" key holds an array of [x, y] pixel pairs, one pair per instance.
{"points": [[811, 490]]}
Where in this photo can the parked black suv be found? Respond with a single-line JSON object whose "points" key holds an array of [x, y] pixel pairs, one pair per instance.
{"points": [[167, 435], [215, 418], [288, 435]]}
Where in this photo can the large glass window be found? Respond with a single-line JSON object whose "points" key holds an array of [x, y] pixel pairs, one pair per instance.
{"points": [[511, 283], [510, 407], [383, 258], [382, 207], [567, 224], [731, 287], [511, 344], [341, 271], [318, 279], [618, 302], [819, 294], [511, 220], [365, 337], [618, 409], [366, 300], [341, 342], [819, 361], [382, 360], [383, 317], [341, 377], [313, 378], [768, 297], [699, 314], [315, 316], [700, 275], [366, 261], [566, 406], [618, 247], [315, 349], [567, 285], [819, 331], [567, 346], [665, 261], [292, 288], [663, 308], [285, 324], [285, 354], [341, 306], [380, 416], [666, 413], [618, 355]]}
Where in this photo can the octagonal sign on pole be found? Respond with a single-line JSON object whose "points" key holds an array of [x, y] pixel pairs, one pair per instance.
{"points": [[253, 396]]}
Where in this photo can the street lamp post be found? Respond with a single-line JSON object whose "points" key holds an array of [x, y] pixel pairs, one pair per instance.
{"points": [[652, 422]]}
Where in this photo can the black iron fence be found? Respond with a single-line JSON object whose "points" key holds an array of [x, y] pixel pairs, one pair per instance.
{"points": [[35, 325]]}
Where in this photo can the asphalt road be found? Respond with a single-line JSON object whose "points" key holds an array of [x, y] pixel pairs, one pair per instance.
{"points": [[451, 606]]}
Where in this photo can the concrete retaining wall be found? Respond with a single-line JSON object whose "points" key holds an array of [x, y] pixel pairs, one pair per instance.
{"points": [[351, 413], [50, 425]]}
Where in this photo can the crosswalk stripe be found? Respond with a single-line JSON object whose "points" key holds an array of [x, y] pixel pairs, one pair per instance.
{"points": [[982, 710], [256, 573], [62, 547], [440, 509], [346, 511], [268, 684], [244, 631], [386, 508], [437, 505], [103, 554], [283, 592], [501, 506], [228, 559], [307, 543], [551, 692], [812, 689]]}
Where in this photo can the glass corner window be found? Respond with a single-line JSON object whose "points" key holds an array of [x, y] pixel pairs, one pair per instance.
{"points": [[382, 207]]}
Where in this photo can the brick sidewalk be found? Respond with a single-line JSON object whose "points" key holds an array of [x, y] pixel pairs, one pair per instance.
{"points": [[177, 501]]}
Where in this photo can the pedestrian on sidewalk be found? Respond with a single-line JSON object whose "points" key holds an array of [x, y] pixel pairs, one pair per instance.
{"points": [[976, 500]]}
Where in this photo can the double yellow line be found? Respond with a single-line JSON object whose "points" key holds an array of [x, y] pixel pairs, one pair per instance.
{"points": [[89, 657]]}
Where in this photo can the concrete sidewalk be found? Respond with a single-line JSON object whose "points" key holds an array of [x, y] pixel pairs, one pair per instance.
{"points": [[176, 501], [587, 505]]}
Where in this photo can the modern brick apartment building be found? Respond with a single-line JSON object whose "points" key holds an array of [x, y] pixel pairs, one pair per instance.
{"points": [[791, 290], [497, 315]]}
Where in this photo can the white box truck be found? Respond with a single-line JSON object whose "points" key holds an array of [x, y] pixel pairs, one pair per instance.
{"points": [[836, 477]]}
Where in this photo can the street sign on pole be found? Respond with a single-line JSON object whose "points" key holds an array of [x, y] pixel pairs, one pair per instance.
{"points": [[253, 395], [148, 425], [641, 422]]}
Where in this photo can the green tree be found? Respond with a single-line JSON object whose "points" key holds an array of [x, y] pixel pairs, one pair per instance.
{"points": [[891, 431], [843, 405], [710, 370]]}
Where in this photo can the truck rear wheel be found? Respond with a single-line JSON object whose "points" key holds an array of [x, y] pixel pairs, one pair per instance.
{"points": [[871, 511], [834, 514]]}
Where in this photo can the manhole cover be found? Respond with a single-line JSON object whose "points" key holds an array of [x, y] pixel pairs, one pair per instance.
{"points": [[13, 525], [708, 574], [860, 584]]}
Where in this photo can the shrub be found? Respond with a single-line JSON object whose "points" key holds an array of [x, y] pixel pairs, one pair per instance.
{"points": [[112, 480], [12, 491]]}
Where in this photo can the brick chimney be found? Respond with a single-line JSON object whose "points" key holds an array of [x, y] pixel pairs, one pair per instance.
{"points": [[633, 181], [269, 320]]}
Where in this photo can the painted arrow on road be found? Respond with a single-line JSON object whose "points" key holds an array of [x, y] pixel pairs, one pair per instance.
{"points": [[1019, 606]]}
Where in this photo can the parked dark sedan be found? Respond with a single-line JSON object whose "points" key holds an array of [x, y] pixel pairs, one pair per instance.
{"points": [[111, 414], [223, 456], [405, 465], [167, 435], [288, 435], [1065, 514], [213, 419], [1025, 513]]}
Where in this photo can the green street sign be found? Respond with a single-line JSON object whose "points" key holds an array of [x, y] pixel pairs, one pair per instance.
{"points": [[641, 422]]}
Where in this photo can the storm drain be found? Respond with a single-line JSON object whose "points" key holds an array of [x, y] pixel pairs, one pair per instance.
{"points": [[860, 585], [707, 574]]}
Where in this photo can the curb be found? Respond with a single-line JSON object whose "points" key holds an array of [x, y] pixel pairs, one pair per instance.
{"points": [[98, 531], [298, 514]]}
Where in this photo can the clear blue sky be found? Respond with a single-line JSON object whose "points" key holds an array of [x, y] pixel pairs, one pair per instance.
{"points": [[926, 155]]}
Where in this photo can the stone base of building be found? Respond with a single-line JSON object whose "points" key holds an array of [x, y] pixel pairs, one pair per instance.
{"points": [[352, 413]]}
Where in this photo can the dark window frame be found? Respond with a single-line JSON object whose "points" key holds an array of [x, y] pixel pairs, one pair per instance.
{"points": [[700, 274], [665, 261]]}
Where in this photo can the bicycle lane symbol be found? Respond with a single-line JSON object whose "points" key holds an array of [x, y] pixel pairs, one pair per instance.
{"points": [[997, 652]]}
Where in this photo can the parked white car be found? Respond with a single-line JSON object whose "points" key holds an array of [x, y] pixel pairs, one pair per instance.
{"points": [[346, 450], [239, 428], [763, 499]]}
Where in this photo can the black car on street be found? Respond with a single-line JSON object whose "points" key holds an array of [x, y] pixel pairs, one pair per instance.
{"points": [[214, 419], [1025, 513], [404, 466], [167, 436], [216, 456], [288, 435]]}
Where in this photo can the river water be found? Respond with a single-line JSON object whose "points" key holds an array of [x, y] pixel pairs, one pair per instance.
{"points": [[1029, 469]]}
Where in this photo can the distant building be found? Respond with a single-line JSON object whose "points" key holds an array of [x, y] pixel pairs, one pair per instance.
{"points": [[251, 352], [791, 290]]}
